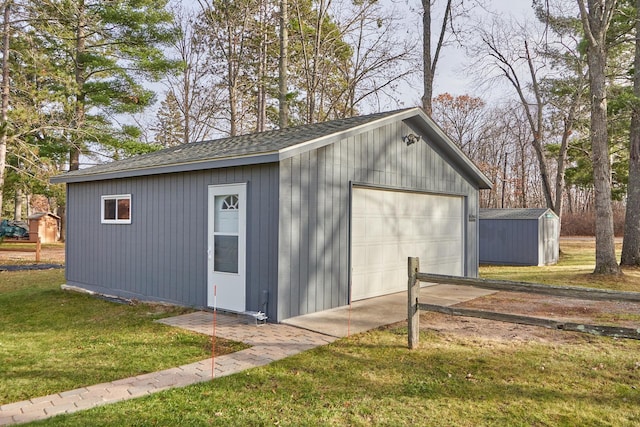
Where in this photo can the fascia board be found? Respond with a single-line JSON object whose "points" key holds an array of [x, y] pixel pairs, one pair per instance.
{"points": [[182, 167]]}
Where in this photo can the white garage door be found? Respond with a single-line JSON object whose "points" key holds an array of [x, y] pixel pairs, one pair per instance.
{"points": [[389, 226]]}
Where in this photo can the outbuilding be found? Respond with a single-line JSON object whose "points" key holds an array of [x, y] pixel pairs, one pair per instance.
{"points": [[44, 225], [287, 222], [519, 236]]}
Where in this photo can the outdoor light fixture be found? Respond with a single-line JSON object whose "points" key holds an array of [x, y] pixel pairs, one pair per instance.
{"points": [[411, 138]]}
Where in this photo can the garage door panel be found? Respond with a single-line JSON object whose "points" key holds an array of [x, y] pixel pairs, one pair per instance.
{"points": [[359, 257], [389, 226], [443, 267]]}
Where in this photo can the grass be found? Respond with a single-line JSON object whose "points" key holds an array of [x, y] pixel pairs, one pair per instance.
{"points": [[575, 268], [52, 341], [372, 379]]}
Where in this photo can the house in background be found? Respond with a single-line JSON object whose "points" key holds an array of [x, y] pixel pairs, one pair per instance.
{"points": [[519, 237], [287, 222]]}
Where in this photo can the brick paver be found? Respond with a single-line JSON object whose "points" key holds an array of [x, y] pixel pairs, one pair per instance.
{"points": [[269, 343]]}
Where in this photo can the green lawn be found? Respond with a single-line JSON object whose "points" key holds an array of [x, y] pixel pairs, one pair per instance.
{"points": [[52, 341], [373, 379], [577, 262]]}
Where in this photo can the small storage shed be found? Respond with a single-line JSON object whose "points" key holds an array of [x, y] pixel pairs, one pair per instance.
{"points": [[519, 236], [286, 222], [44, 225]]}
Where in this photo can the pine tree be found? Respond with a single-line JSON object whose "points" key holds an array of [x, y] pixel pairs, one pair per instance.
{"points": [[98, 54], [169, 128]]}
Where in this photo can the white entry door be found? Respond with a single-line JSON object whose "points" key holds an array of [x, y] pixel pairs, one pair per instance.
{"points": [[390, 226], [227, 246]]}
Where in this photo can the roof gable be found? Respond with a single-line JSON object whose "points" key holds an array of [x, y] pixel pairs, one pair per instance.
{"points": [[266, 147]]}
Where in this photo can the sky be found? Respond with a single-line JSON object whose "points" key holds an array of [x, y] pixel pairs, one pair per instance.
{"points": [[450, 74]]}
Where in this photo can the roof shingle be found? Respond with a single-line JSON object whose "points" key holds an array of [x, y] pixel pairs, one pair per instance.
{"points": [[230, 147]]}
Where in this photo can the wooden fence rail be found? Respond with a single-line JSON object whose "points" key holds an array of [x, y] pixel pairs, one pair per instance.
{"points": [[414, 306], [32, 240], [533, 288]]}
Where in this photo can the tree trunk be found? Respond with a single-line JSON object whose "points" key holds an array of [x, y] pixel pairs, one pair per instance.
{"points": [[429, 61], [261, 98], [595, 23], [312, 101], [283, 107], [426, 57], [17, 207], [606, 262], [504, 179], [232, 68], [186, 102], [6, 34], [61, 211], [75, 149], [631, 243]]}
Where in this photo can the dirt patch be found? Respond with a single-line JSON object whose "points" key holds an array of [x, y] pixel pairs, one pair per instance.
{"points": [[481, 329], [53, 254], [623, 314]]}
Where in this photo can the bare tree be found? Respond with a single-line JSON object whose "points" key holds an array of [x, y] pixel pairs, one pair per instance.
{"points": [[429, 60], [381, 58], [548, 76], [4, 125], [596, 17], [565, 86], [321, 47], [512, 58], [262, 71], [462, 119], [229, 30], [192, 87]]}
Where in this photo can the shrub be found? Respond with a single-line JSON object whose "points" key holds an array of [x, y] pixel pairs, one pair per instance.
{"points": [[584, 223]]}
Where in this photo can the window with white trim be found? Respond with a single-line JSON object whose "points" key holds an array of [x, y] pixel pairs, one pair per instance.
{"points": [[116, 209]]}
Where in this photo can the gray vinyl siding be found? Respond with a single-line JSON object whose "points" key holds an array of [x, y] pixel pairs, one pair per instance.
{"points": [[162, 254], [314, 236], [510, 241], [519, 236]]}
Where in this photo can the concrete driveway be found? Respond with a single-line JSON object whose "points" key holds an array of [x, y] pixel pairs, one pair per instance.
{"points": [[372, 313]]}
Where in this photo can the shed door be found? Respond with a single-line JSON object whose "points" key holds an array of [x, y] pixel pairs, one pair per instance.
{"points": [[227, 247], [550, 232], [390, 226]]}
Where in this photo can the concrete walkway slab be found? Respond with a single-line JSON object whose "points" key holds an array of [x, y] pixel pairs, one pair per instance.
{"points": [[379, 311]]}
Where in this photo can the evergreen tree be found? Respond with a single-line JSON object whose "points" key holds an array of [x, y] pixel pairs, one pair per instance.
{"points": [[98, 55], [169, 129]]}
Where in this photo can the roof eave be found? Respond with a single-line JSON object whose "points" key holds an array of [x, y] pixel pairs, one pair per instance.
{"points": [[175, 168]]}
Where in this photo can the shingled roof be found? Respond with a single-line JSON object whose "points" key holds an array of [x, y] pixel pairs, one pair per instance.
{"points": [[255, 148]]}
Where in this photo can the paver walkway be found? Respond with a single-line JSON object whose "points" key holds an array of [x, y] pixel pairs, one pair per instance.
{"points": [[269, 343]]}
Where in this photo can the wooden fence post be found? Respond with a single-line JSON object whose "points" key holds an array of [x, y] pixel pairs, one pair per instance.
{"points": [[38, 247], [413, 312]]}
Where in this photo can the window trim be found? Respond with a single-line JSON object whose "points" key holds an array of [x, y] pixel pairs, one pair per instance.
{"points": [[115, 197]]}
